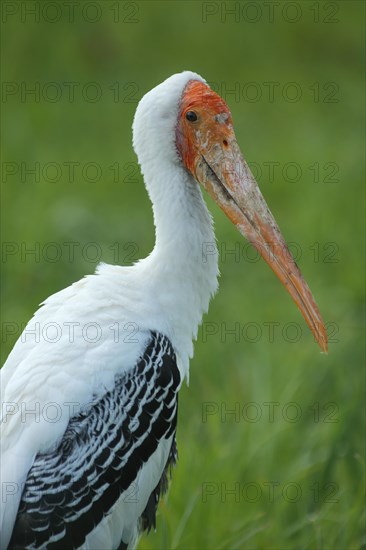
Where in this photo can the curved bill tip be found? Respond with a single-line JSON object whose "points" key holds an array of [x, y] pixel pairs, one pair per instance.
{"points": [[267, 239]]}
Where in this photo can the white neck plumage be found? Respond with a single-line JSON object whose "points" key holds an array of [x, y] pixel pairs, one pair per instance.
{"points": [[184, 262], [182, 269]]}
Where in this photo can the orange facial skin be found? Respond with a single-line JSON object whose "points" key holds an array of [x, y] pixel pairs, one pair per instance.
{"points": [[212, 112]]}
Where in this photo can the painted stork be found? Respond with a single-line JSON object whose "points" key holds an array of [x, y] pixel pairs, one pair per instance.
{"points": [[89, 418]]}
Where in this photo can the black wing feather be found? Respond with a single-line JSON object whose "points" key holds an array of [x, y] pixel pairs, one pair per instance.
{"points": [[70, 489]]}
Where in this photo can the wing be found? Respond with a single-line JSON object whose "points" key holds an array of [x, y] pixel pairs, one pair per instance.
{"points": [[71, 488]]}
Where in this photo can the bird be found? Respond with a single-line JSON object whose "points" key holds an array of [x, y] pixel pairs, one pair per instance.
{"points": [[90, 389]]}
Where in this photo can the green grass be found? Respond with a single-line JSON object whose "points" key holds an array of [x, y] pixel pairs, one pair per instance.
{"points": [[317, 460]]}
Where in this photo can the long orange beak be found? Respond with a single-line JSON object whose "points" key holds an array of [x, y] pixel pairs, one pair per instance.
{"points": [[220, 167]]}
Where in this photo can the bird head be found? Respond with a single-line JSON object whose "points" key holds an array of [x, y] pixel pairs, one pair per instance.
{"points": [[200, 138]]}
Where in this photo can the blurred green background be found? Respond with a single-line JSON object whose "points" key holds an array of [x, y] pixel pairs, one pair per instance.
{"points": [[297, 472]]}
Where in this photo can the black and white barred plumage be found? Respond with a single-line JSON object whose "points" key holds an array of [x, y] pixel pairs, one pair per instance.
{"points": [[72, 487]]}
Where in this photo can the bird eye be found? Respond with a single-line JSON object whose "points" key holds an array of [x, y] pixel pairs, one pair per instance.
{"points": [[191, 116]]}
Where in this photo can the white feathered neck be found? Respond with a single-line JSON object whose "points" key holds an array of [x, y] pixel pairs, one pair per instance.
{"points": [[184, 264]]}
